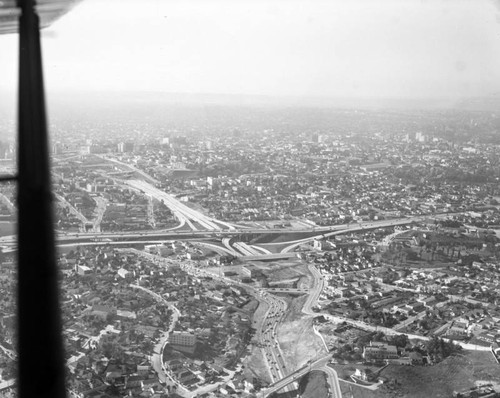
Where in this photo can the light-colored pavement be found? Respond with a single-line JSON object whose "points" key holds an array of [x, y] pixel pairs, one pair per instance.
{"points": [[160, 235], [99, 211], [341, 229], [218, 249], [180, 210], [157, 356], [333, 381], [318, 364], [227, 244], [129, 166], [245, 249]]}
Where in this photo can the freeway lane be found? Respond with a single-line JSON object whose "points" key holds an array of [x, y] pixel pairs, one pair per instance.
{"points": [[318, 364], [268, 334], [180, 210], [340, 229], [129, 166], [8, 242]]}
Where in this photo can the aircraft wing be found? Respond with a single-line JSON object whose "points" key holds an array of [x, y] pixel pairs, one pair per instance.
{"points": [[48, 10]]}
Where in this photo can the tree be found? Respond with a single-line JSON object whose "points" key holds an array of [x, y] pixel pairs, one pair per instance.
{"points": [[441, 349], [401, 340]]}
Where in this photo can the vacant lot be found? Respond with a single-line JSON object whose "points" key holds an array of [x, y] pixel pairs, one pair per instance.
{"points": [[453, 374], [296, 337], [288, 270]]}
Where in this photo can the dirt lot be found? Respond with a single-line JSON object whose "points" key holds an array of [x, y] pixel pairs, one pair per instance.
{"points": [[455, 373], [327, 331], [289, 269], [295, 334], [297, 339]]}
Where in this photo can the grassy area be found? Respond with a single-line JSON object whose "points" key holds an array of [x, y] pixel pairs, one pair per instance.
{"points": [[197, 207], [455, 373], [314, 385]]}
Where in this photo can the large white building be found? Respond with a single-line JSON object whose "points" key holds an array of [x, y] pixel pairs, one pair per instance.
{"points": [[180, 338]]}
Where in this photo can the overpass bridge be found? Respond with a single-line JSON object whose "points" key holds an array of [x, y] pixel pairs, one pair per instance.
{"points": [[285, 290], [317, 364], [7, 242]]}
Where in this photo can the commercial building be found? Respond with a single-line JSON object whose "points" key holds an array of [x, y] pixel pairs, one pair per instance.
{"points": [[380, 351], [184, 339]]}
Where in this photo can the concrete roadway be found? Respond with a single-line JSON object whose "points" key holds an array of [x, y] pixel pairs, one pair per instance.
{"points": [[268, 337], [363, 226], [163, 235], [223, 251], [268, 333], [318, 364], [179, 209], [121, 237], [246, 250], [129, 166]]}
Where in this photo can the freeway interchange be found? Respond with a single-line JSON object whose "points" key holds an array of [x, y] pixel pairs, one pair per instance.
{"points": [[9, 243], [184, 214], [195, 226]]}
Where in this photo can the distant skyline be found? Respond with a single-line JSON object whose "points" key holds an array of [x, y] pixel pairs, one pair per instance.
{"points": [[326, 49]]}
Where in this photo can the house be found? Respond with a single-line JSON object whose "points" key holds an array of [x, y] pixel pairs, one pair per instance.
{"points": [[457, 329], [103, 311], [364, 375], [428, 302], [112, 372], [416, 358], [342, 291], [83, 270]]}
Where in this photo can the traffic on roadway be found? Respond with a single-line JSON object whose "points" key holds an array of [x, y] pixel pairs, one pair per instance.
{"points": [[180, 210]]}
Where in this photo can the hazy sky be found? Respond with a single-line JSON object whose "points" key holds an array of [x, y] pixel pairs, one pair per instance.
{"points": [[334, 48]]}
